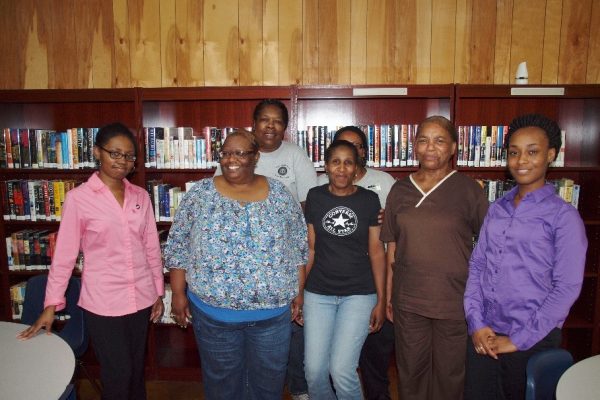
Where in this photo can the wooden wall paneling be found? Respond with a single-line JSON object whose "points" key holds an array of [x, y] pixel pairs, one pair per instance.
{"points": [[122, 42], [358, 42], [251, 44], [334, 41], [423, 32], [574, 40], [144, 33], [405, 41], [221, 39], [483, 33], [443, 44], [190, 42], [593, 66], [502, 72], [13, 46], [528, 38], [94, 39], [269, 73], [310, 42], [290, 42], [63, 61], [168, 43], [462, 60], [386, 21], [36, 48], [551, 50]]}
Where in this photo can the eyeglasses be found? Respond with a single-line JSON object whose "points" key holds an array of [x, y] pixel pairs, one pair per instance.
{"points": [[115, 155], [239, 154]]}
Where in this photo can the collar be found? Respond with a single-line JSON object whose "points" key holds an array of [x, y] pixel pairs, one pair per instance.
{"points": [[537, 196], [96, 184]]}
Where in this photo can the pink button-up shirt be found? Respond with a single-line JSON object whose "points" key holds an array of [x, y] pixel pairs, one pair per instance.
{"points": [[122, 270]]}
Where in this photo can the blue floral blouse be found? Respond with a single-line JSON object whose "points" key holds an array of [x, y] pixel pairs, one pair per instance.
{"points": [[241, 257]]}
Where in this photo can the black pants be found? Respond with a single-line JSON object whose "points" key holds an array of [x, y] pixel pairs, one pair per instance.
{"points": [[120, 345], [375, 362], [505, 378]]}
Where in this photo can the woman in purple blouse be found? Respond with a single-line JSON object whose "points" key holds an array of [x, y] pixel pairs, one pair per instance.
{"points": [[526, 270]]}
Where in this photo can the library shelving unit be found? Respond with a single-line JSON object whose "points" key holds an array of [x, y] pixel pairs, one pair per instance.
{"points": [[576, 108], [173, 353], [371, 105], [54, 110]]}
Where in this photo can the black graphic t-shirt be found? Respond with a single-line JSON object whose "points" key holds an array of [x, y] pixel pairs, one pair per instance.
{"points": [[342, 266]]}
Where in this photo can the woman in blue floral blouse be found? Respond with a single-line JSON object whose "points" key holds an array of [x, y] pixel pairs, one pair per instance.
{"points": [[239, 241]]}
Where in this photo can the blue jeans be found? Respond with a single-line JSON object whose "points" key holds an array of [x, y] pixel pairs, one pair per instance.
{"points": [[296, 382], [244, 360], [335, 328]]}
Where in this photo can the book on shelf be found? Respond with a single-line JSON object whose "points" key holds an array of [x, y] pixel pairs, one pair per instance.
{"points": [[566, 188], [17, 298], [44, 148], [34, 200], [30, 249], [388, 145]]}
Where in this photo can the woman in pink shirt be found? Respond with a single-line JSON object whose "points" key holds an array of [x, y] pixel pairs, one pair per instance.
{"points": [[111, 221]]}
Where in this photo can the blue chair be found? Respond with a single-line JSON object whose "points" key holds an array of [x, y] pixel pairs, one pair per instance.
{"points": [[73, 332], [544, 369]]}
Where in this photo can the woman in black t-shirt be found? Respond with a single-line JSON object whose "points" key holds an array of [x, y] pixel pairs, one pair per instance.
{"points": [[344, 296]]}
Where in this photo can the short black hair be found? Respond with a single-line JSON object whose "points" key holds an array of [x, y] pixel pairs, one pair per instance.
{"points": [[110, 131], [361, 134], [272, 102], [550, 127], [443, 123], [341, 143]]}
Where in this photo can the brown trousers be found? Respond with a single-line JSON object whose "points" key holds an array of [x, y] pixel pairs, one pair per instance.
{"points": [[430, 356]]}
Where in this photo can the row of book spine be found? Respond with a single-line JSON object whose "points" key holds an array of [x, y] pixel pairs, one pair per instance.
{"points": [[33, 200], [566, 188], [30, 249], [388, 145], [45, 148], [485, 146], [184, 148], [165, 198]]}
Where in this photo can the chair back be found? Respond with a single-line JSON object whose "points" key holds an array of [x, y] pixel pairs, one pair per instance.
{"points": [[73, 332], [544, 369]]}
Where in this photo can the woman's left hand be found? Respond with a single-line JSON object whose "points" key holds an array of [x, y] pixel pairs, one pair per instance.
{"points": [[157, 310], [377, 317], [297, 305]]}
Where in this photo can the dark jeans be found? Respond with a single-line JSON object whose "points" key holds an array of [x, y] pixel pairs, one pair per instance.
{"points": [[296, 381], [242, 360], [375, 362], [505, 378], [120, 345]]}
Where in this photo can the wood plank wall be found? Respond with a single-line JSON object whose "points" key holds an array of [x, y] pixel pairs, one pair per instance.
{"points": [[160, 43]]}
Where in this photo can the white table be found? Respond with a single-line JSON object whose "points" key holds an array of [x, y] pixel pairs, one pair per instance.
{"points": [[581, 381], [39, 368]]}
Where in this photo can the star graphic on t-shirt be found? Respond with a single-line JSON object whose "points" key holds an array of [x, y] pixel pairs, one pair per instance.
{"points": [[341, 221]]}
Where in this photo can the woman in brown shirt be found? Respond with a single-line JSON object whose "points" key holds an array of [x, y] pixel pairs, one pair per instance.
{"points": [[431, 218]]}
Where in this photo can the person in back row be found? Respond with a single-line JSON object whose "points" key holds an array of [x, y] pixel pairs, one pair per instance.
{"points": [[289, 164], [379, 346]]}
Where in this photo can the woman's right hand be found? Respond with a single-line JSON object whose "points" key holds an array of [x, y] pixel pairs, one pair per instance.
{"points": [[44, 321], [180, 309]]}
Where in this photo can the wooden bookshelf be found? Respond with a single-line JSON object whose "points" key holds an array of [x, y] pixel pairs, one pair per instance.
{"points": [[172, 351]]}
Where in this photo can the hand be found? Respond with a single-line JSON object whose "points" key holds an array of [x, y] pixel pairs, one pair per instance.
{"points": [[157, 310], [501, 344], [45, 321], [380, 216], [481, 341], [377, 317], [389, 312], [297, 312], [180, 310]]}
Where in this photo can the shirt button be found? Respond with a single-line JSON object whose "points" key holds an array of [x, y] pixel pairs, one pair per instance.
{"points": [[500, 251]]}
